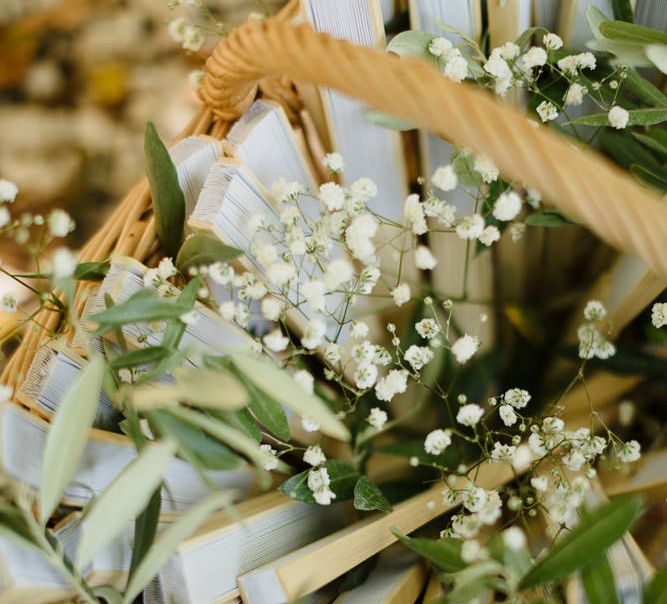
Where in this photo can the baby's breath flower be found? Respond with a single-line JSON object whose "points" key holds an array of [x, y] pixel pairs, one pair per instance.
{"points": [[437, 441], [275, 341], [594, 311], [377, 418], [507, 206], [309, 425], [517, 230], [305, 379], [534, 57], [401, 294], [338, 272], [313, 334], [439, 46], [318, 483], [313, 292], [189, 318], [517, 397], [497, 66], [618, 117], [470, 227], [445, 178], [469, 415], [365, 375], [427, 328], [489, 235], [332, 353], [284, 191], [271, 308], [60, 223], [176, 29], [418, 356], [472, 551], [270, 459], [281, 273], [509, 51], [514, 539], [395, 382], [507, 414], [5, 217], [8, 303], [363, 189], [540, 483], [485, 167], [193, 38], [414, 214], [575, 95], [63, 263], [501, 452], [314, 456], [630, 451], [464, 348], [358, 237], [456, 68], [424, 258], [659, 314], [8, 191], [196, 78], [334, 162], [332, 196], [547, 111], [552, 41]]}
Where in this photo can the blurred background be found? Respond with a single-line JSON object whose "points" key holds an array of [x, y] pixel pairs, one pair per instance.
{"points": [[79, 79]]}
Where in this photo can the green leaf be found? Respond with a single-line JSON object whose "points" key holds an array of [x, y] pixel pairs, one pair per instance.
{"points": [[594, 16], [13, 524], [91, 271], [145, 529], [444, 553], [234, 438], [195, 443], [108, 594], [643, 89], [627, 53], [646, 176], [202, 250], [343, 479], [387, 120], [586, 542], [412, 44], [629, 32], [637, 117], [198, 386], [171, 538], [168, 199], [548, 218], [142, 307], [284, 388], [655, 591], [528, 35], [368, 497], [598, 581], [267, 410], [622, 10], [242, 420], [471, 581], [123, 499], [653, 143], [626, 151], [143, 356], [68, 434], [175, 329], [657, 54]]}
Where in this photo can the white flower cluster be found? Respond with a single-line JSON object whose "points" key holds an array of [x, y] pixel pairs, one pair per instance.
{"points": [[191, 37], [592, 344], [659, 314], [318, 483]]}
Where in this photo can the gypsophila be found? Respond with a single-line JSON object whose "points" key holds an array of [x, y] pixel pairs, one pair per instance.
{"points": [[485, 167], [659, 314], [270, 459], [437, 441], [469, 415], [547, 111], [517, 397], [470, 227], [8, 191], [314, 456], [507, 206], [334, 162], [395, 382], [594, 311], [464, 348], [418, 356], [618, 117], [507, 415], [427, 329], [424, 258], [401, 294], [377, 418]]}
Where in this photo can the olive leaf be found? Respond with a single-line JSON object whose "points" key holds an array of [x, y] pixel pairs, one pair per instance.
{"points": [[169, 540], [636, 117], [68, 434], [142, 307], [123, 499], [598, 581], [444, 553], [630, 32], [586, 542], [202, 250], [168, 199], [286, 390]]}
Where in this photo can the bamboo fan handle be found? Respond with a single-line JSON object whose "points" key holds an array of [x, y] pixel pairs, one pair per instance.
{"points": [[578, 181]]}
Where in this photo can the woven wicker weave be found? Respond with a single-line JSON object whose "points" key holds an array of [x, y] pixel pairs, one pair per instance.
{"points": [[263, 57]]}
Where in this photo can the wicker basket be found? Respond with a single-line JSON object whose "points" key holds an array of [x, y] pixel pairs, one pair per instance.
{"points": [[265, 57]]}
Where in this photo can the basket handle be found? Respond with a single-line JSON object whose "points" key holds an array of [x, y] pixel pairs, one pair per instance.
{"points": [[578, 181]]}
